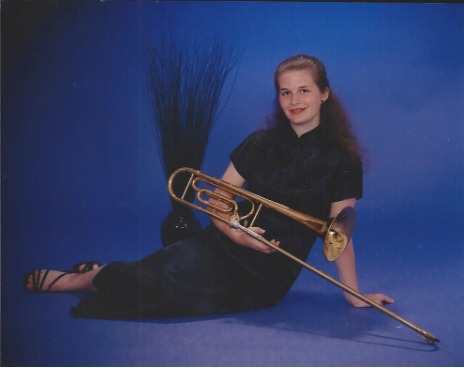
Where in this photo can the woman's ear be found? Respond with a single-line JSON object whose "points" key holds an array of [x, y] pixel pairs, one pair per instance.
{"points": [[325, 94]]}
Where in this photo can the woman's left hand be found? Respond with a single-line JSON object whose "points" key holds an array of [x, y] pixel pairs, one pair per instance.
{"points": [[377, 298]]}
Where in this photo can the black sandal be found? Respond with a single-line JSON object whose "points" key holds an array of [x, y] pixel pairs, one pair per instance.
{"points": [[38, 282], [88, 266]]}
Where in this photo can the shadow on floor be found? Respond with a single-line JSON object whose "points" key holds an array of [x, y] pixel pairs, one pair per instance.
{"points": [[322, 314]]}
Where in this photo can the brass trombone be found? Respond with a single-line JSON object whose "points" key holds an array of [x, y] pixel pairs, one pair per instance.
{"points": [[337, 231]]}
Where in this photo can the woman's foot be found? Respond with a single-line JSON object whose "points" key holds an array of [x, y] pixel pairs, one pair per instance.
{"points": [[59, 281], [46, 280]]}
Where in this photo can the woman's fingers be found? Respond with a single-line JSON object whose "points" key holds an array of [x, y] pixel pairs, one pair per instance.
{"points": [[255, 243], [377, 298], [380, 298], [266, 248], [262, 247], [385, 299], [257, 230]]}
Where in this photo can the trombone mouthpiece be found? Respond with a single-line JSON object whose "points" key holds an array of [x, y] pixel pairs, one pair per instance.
{"points": [[234, 222]]}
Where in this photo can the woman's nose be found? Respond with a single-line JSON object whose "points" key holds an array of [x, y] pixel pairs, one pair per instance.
{"points": [[295, 101]]}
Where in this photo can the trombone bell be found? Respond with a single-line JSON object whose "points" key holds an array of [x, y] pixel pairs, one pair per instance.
{"points": [[339, 234]]}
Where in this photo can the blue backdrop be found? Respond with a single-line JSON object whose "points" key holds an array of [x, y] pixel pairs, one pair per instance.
{"points": [[81, 177]]}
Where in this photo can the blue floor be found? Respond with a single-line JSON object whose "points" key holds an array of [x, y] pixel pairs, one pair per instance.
{"points": [[313, 326]]}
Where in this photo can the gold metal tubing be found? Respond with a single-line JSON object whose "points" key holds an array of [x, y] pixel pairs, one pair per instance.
{"points": [[220, 198], [187, 186], [318, 225], [212, 194], [256, 214]]}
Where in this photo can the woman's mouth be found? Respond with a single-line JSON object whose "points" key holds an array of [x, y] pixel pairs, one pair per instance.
{"points": [[297, 111]]}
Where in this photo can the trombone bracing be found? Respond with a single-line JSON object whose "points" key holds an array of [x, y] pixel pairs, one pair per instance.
{"points": [[337, 231]]}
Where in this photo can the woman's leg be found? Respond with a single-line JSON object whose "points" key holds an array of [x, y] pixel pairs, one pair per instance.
{"points": [[71, 282]]}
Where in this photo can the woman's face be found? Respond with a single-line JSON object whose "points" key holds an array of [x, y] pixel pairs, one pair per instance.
{"points": [[300, 99]]}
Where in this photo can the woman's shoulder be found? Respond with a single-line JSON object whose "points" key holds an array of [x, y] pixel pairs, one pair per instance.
{"points": [[341, 157], [342, 153]]}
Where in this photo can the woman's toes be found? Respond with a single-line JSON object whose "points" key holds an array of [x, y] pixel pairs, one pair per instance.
{"points": [[32, 277]]}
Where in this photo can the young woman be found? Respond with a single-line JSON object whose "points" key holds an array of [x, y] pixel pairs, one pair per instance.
{"points": [[309, 160]]}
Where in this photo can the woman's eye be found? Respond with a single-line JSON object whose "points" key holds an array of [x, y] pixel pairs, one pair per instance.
{"points": [[286, 93], [304, 91]]}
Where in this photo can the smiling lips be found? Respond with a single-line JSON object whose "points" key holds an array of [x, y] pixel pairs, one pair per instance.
{"points": [[297, 111]]}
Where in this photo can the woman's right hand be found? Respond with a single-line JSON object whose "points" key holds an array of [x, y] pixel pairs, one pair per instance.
{"points": [[246, 240]]}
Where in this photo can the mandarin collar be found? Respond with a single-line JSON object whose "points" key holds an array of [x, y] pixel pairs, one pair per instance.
{"points": [[310, 137]]}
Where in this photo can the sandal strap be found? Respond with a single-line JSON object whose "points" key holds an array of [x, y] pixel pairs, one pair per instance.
{"points": [[54, 281], [38, 279]]}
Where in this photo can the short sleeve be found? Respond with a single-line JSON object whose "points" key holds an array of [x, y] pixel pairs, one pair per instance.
{"points": [[348, 179], [244, 156]]}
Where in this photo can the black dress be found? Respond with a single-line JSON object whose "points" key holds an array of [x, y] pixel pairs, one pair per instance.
{"points": [[209, 274]]}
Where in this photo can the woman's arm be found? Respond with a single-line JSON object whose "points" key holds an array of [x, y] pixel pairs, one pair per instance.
{"points": [[346, 264], [232, 176]]}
